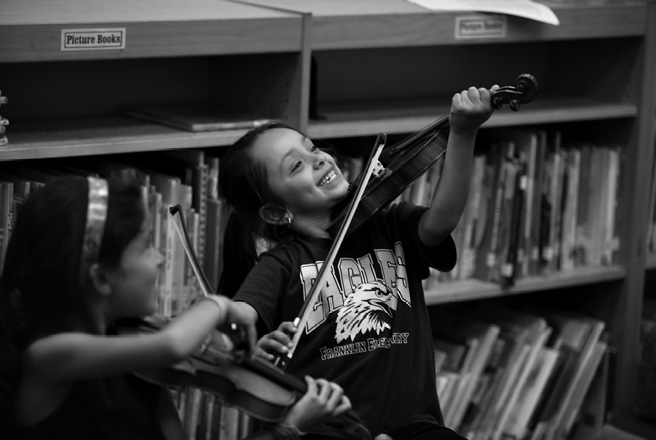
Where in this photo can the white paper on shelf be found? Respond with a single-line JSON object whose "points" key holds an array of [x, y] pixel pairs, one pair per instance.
{"points": [[521, 8]]}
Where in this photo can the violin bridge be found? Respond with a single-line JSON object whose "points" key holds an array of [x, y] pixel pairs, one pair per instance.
{"points": [[378, 169]]}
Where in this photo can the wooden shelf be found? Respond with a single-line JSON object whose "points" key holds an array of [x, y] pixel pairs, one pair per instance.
{"points": [[121, 135], [104, 136], [343, 24], [474, 289], [361, 119], [30, 30]]}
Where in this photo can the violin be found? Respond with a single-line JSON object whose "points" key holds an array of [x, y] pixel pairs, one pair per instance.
{"points": [[224, 367], [389, 171], [402, 163]]}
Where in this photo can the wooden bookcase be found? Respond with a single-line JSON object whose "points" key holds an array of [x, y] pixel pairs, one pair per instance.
{"points": [[391, 66], [363, 67], [69, 103]]}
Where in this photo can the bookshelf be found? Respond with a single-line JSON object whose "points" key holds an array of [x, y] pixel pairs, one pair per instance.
{"points": [[204, 52], [389, 65], [363, 67]]}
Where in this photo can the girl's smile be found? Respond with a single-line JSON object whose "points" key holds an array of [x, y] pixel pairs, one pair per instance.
{"points": [[329, 177]]}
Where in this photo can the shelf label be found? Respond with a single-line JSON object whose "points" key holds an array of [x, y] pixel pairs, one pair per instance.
{"points": [[92, 39], [481, 26]]}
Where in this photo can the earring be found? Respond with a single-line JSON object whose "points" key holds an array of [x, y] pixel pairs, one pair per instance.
{"points": [[287, 218]]}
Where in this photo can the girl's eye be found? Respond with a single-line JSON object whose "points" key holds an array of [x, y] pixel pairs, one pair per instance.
{"points": [[296, 166], [314, 149]]}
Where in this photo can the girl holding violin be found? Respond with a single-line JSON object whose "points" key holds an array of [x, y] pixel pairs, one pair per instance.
{"points": [[80, 258], [369, 330]]}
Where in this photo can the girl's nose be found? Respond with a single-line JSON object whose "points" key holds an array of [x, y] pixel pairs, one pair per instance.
{"points": [[319, 161]]}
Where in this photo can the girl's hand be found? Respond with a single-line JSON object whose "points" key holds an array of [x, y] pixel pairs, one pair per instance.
{"points": [[278, 342], [243, 316], [470, 109], [322, 401]]}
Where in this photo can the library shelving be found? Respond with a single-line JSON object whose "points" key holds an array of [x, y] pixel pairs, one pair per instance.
{"points": [[347, 70]]}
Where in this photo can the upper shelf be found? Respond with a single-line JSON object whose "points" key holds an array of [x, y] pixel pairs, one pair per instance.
{"points": [[31, 30], [365, 118], [349, 24]]}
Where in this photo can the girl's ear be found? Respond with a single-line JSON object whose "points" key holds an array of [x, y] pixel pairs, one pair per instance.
{"points": [[275, 214], [99, 280]]}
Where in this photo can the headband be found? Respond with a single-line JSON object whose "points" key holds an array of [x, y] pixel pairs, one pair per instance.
{"points": [[95, 224]]}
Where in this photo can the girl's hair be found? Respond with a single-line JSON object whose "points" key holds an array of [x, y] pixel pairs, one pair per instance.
{"points": [[243, 185], [41, 275]]}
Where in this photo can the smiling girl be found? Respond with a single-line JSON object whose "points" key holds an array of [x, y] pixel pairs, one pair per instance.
{"points": [[369, 330]]}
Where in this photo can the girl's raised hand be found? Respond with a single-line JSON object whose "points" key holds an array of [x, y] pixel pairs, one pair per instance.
{"points": [[470, 109], [278, 342]]}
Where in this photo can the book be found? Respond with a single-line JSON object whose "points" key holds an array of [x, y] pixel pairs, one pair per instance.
{"points": [[551, 206], [492, 199], [459, 360], [549, 400], [530, 149], [517, 425], [464, 329], [196, 117], [196, 175], [474, 220], [611, 242], [581, 388], [525, 333], [171, 248], [538, 336], [515, 197], [578, 334], [587, 193], [6, 216], [570, 209]]}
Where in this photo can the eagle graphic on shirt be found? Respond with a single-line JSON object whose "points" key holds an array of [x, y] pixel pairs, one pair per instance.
{"points": [[370, 307]]}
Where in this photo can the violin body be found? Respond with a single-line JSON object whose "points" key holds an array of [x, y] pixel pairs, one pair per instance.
{"points": [[255, 386]]}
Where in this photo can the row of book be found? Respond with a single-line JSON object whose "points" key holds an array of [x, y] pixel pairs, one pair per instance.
{"points": [[3, 123], [505, 373], [537, 204]]}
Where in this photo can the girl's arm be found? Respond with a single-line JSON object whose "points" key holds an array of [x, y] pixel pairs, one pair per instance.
{"points": [[68, 357], [469, 110]]}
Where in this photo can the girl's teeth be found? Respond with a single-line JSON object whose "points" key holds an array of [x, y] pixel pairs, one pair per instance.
{"points": [[327, 179]]}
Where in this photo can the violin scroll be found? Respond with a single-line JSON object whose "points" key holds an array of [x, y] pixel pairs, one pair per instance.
{"points": [[524, 90]]}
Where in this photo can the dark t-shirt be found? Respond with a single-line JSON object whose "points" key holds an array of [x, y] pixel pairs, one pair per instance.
{"points": [[369, 331], [121, 407]]}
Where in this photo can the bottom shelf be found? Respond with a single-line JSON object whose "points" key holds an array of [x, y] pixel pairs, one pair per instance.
{"points": [[631, 425]]}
